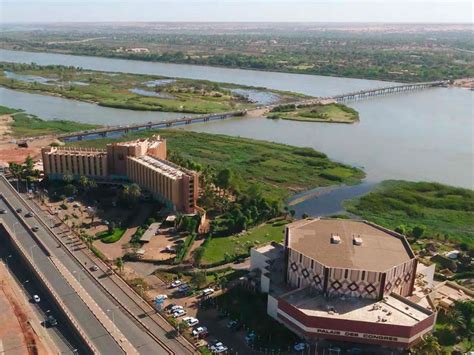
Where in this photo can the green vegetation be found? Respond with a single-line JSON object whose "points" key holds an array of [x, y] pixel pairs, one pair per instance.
{"points": [[127, 91], [26, 125], [226, 249], [454, 328], [278, 170], [334, 112], [411, 53], [111, 236], [183, 249], [440, 211]]}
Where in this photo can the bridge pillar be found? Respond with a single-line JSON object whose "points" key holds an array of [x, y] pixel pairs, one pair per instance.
{"points": [[79, 137], [103, 134]]}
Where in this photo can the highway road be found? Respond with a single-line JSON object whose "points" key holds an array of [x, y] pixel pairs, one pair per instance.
{"points": [[151, 341], [62, 336], [98, 335]]}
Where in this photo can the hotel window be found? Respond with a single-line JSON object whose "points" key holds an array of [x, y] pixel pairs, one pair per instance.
{"points": [[301, 258], [363, 275], [346, 274], [312, 264]]}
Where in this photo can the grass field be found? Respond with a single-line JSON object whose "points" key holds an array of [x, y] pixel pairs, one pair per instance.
{"points": [[217, 248], [106, 237], [336, 113], [26, 125], [280, 170], [127, 91], [443, 210]]}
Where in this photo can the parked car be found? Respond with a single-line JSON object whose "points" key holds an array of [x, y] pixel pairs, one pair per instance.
{"points": [[300, 346], [184, 288], [51, 321], [234, 325], [207, 292], [29, 214], [34, 228], [169, 307], [19, 210], [250, 337], [175, 308], [179, 313], [3, 211], [220, 349], [94, 268], [176, 283], [191, 321], [199, 332], [36, 298]]}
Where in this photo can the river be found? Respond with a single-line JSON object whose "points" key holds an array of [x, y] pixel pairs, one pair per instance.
{"points": [[425, 135]]}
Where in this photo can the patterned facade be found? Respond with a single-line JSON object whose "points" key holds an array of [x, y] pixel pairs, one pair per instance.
{"points": [[303, 271]]}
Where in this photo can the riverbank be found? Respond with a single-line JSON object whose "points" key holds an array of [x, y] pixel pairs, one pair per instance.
{"points": [[19, 124], [443, 212], [278, 170], [329, 113], [137, 91]]}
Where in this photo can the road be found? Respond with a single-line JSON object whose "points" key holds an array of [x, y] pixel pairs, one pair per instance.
{"points": [[142, 328], [89, 323]]}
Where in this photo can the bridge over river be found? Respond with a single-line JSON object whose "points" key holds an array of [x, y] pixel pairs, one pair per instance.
{"points": [[362, 94]]}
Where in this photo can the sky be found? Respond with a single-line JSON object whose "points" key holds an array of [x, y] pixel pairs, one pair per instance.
{"points": [[427, 11]]}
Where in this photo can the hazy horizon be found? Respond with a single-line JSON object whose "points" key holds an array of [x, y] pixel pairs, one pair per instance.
{"points": [[309, 11]]}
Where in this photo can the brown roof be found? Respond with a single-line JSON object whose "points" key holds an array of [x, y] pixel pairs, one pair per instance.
{"points": [[380, 250]]}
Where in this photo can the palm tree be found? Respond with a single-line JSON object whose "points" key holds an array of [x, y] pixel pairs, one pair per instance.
{"points": [[428, 346], [455, 320], [119, 264]]}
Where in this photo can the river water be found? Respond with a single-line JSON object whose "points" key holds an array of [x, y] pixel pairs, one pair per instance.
{"points": [[425, 135]]}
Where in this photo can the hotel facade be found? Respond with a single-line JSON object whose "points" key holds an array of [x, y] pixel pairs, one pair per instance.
{"points": [[142, 161], [343, 280]]}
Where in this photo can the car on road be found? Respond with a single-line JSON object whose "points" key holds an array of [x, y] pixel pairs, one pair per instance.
{"points": [[3, 211], [207, 292], [176, 283], [200, 332], [234, 325], [300, 346], [191, 321], [19, 210], [179, 313], [94, 268], [36, 298], [34, 228], [51, 321], [29, 214]]}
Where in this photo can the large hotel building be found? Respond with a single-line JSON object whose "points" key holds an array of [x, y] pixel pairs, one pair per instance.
{"points": [[343, 280], [142, 161]]}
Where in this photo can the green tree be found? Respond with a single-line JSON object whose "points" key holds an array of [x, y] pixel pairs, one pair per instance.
{"points": [[84, 183], [70, 190], [119, 264], [29, 163], [456, 321], [428, 346], [198, 279], [198, 255], [223, 179], [304, 215], [67, 178], [417, 231], [111, 227]]}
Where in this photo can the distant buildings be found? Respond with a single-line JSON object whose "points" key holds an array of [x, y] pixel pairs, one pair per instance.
{"points": [[343, 280], [142, 161]]}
